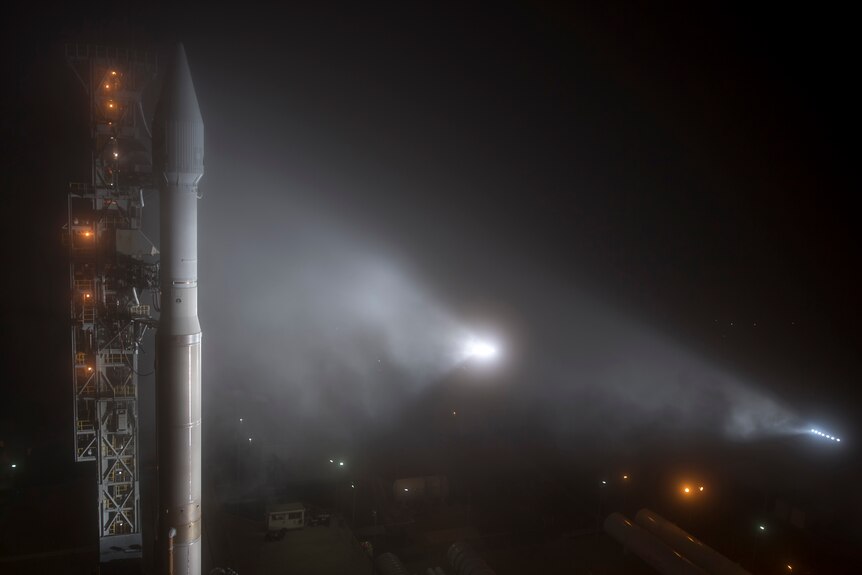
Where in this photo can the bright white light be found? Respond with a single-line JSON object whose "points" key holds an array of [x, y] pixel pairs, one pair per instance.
{"points": [[826, 435], [481, 350], [331, 461], [341, 463], [14, 465]]}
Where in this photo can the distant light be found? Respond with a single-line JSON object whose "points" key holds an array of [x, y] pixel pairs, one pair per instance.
{"points": [[116, 155], [113, 72], [625, 476], [249, 439], [686, 489], [454, 413], [240, 420], [700, 488], [107, 85], [604, 482], [14, 465], [762, 527], [331, 461], [352, 486], [405, 489], [789, 567], [341, 463], [826, 435]]}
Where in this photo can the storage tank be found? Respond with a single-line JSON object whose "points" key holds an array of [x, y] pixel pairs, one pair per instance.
{"points": [[694, 550], [649, 547]]}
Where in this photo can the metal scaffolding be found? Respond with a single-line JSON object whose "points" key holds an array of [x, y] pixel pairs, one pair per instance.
{"points": [[111, 263]]}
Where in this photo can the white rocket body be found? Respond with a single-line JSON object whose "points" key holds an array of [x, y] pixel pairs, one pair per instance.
{"points": [[178, 150]]}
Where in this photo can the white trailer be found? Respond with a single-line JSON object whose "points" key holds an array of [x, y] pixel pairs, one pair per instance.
{"points": [[285, 516]]}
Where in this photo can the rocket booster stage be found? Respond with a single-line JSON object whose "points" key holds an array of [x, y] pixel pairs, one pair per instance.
{"points": [[178, 151]]}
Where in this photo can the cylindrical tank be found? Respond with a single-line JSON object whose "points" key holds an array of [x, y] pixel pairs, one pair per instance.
{"points": [[649, 548], [695, 551], [389, 564], [465, 561]]}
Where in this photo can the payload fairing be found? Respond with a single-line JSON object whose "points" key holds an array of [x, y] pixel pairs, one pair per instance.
{"points": [[178, 151]]}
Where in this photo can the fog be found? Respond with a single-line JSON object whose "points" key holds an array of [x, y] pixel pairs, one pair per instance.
{"points": [[318, 332]]}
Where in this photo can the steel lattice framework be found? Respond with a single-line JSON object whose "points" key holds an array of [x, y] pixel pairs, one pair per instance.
{"points": [[111, 264]]}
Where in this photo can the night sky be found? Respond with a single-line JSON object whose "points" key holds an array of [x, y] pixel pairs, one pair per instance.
{"points": [[651, 209]]}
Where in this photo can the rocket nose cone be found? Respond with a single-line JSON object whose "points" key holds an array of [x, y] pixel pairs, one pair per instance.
{"points": [[178, 99]]}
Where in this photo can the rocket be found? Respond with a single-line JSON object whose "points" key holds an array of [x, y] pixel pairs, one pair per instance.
{"points": [[178, 152]]}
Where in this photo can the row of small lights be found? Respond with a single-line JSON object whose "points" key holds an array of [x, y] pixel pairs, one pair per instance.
{"points": [[827, 436]]}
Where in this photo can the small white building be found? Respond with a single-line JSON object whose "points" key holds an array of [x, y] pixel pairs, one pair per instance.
{"points": [[285, 516]]}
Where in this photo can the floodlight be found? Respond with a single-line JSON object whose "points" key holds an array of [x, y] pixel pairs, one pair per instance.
{"points": [[481, 350], [826, 435]]}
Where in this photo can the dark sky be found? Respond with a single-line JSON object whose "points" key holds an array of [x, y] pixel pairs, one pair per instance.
{"points": [[585, 181]]}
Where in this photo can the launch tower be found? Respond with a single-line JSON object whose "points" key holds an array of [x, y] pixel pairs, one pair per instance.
{"points": [[112, 265]]}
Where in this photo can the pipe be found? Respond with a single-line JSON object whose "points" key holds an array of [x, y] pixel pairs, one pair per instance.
{"points": [[694, 550], [171, 534], [389, 564], [649, 548]]}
